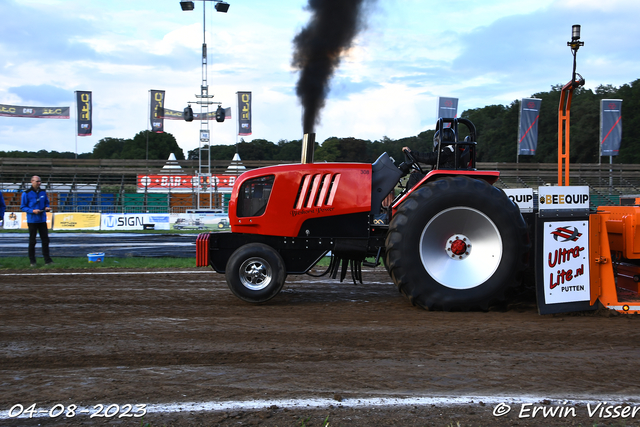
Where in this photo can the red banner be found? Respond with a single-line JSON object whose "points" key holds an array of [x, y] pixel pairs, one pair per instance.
{"points": [[183, 182]]}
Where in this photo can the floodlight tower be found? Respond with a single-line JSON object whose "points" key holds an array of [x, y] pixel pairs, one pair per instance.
{"points": [[205, 179]]}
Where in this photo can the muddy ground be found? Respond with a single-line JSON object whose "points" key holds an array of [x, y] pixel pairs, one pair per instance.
{"points": [[183, 338]]}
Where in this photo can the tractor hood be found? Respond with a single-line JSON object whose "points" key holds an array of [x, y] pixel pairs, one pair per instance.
{"points": [[279, 200]]}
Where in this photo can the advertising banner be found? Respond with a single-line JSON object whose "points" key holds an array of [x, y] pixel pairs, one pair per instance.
{"points": [[566, 261], [244, 113], [199, 221], [85, 113], [13, 220], [35, 112], [157, 111], [76, 221], [528, 128], [134, 221], [211, 115], [177, 115], [562, 256], [447, 109], [610, 126], [168, 114], [522, 197], [18, 220], [185, 182], [563, 198], [22, 216]]}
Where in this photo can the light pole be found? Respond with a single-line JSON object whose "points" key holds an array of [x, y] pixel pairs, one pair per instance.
{"points": [[204, 100], [564, 110]]}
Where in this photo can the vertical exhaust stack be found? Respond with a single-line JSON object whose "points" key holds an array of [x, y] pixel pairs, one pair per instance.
{"points": [[308, 147]]}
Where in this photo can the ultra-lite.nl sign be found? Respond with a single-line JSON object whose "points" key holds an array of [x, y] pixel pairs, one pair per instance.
{"points": [[562, 236], [566, 261]]}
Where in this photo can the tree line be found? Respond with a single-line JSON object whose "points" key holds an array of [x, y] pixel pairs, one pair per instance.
{"points": [[497, 132], [497, 126], [160, 146]]}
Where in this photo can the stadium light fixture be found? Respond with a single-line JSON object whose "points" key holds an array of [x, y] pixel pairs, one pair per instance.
{"points": [[575, 32], [187, 5], [220, 6], [575, 42]]}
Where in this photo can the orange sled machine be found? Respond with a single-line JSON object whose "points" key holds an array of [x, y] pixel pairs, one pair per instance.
{"points": [[614, 240]]}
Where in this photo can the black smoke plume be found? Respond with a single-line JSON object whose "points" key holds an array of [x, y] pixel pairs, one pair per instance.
{"points": [[318, 47]]}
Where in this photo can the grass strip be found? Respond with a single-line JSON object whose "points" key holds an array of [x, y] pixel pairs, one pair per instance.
{"points": [[79, 263]]}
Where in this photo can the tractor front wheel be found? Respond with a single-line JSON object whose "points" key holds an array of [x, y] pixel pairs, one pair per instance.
{"points": [[456, 244], [255, 272]]}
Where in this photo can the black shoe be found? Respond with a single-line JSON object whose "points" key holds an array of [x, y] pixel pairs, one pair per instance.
{"points": [[49, 262]]}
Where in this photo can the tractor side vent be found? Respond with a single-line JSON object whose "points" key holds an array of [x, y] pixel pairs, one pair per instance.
{"points": [[317, 190]]}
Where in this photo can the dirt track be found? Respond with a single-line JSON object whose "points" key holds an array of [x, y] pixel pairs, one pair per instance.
{"points": [[167, 338]]}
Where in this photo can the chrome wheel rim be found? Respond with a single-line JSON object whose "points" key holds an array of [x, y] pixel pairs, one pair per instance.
{"points": [[255, 274], [473, 266]]}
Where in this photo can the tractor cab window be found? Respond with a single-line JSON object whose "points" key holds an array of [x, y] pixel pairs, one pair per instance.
{"points": [[254, 196]]}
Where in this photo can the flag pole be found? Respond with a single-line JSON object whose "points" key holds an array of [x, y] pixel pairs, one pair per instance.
{"points": [[147, 120], [75, 131]]}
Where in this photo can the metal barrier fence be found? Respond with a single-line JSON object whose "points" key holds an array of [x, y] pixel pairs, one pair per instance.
{"points": [[106, 186], [123, 203]]}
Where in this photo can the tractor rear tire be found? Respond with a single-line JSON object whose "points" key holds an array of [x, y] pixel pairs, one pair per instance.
{"points": [[255, 272], [457, 244]]}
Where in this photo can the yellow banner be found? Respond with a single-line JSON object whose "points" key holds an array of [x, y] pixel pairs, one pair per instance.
{"points": [[22, 218], [76, 221]]}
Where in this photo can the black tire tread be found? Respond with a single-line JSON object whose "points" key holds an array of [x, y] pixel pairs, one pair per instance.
{"points": [[451, 191], [268, 254]]}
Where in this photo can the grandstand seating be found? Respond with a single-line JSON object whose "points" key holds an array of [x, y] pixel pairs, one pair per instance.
{"points": [[133, 203], [157, 202], [53, 198], [180, 202], [11, 199], [110, 186], [108, 203]]}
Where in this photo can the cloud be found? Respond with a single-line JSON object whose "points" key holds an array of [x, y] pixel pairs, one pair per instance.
{"points": [[43, 95], [44, 32], [412, 51], [343, 88], [528, 53]]}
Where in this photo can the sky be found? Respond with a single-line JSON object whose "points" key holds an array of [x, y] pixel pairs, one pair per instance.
{"points": [[410, 52]]}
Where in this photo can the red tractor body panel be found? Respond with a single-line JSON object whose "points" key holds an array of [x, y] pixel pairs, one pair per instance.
{"points": [[293, 194], [489, 176]]}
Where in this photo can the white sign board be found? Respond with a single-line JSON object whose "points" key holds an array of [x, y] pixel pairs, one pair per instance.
{"points": [[13, 220], [522, 197], [563, 198], [134, 221], [566, 261]]}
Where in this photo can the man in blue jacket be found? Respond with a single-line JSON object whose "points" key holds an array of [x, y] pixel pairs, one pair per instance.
{"points": [[36, 204], [3, 208]]}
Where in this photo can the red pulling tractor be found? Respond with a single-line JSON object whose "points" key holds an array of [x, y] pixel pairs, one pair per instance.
{"points": [[452, 241]]}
